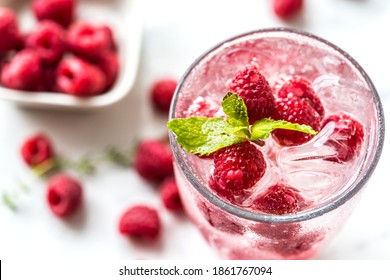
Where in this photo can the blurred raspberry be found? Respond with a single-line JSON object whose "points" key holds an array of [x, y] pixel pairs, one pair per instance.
{"points": [[88, 40], [109, 64], [141, 222], [170, 195], [36, 150], [153, 160], [60, 11], [162, 92], [64, 195], [285, 9], [24, 71], [48, 40], [9, 31], [78, 77]]}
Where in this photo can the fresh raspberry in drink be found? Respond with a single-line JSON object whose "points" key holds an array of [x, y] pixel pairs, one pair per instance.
{"points": [[302, 88], [64, 195], [9, 31], [36, 149], [153, 160], [170, 195], [347, 137], [78, 77], [140, 221], [286, 9], [89, 41], [294, 110], [219, 220], [254, 89], [279, 199], [162, 92], [237, 169], [24, 71], [60, 11], [48, 40], [300, 246]]}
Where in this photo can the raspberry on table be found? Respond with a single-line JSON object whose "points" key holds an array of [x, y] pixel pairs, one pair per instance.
{"points": [[294, 110], [60, 11], [286, 9], [9, 30], [36, 150], [109, 64], [279, 199], [88, 40], [48, 40], [153, 160], [347, 137], [170, 195], [78, 77], [237, 169], [162, 93], [24, 71], [302, 88], [254, 89], [64, 195], [140, 221]]}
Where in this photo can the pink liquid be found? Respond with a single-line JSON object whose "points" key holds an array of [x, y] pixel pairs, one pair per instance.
{"points": [[341, 88]]}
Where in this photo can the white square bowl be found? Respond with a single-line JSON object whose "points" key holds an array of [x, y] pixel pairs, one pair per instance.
{"points": [[125, 19]]}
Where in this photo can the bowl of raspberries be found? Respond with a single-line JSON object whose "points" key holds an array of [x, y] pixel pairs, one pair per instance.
{"points": [[75, 54]]}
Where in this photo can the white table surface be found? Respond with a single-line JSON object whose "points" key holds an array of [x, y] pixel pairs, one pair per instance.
{"points": [[175, 33]]}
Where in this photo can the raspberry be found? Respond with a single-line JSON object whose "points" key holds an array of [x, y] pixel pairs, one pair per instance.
{"points": [[110, 35], [254, 89], [9, 30], [60, 11], [347, 138], [109, 64], [201, 108], [24, 71], [237, 168], [153, 160], [89, 41], [64, 195], [279, 199], [78, 77], [162, 92], [220, 220], [36, 150], [170, 195], [301, 88], [294, 110], [48, 39], [295, 247], [285, 9], [141, 222]]}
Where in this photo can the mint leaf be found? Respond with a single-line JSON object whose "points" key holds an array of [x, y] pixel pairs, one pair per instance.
{"points": [[262, 128], [235, 109], [203, 136]]}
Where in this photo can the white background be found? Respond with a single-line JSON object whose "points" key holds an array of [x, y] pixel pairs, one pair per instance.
{"points": [[175, 33]]}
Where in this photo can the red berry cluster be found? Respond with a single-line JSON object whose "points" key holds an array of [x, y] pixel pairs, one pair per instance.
{"points": [[78, 58], [239, 167]]}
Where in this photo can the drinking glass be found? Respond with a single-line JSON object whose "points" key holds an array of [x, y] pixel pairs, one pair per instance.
{"points": [[236, 232]]}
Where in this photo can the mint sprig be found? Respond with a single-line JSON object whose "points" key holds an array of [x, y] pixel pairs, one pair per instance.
{"points": [[203, 136]]}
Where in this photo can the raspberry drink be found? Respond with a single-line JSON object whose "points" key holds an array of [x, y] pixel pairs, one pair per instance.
{"points": [[275, 134]]}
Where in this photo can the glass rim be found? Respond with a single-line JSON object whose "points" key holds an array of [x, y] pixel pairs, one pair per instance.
{"points": [[342, 198]]}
